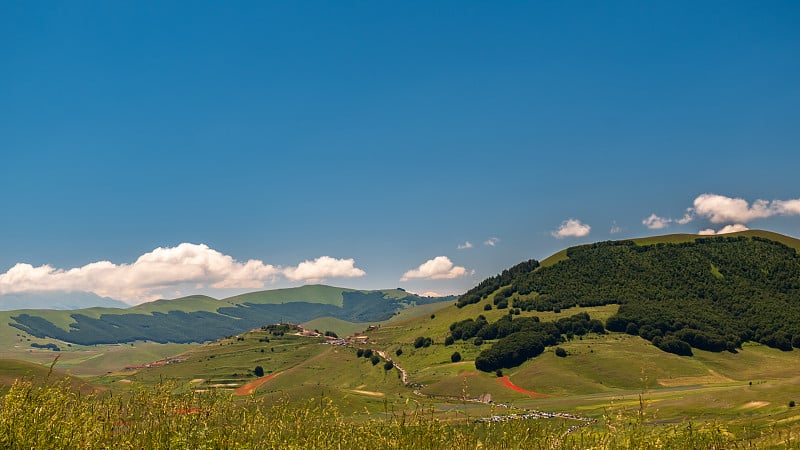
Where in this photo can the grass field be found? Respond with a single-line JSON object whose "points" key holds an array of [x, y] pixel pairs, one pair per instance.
{"points": [[327, 295], [622, 381]]}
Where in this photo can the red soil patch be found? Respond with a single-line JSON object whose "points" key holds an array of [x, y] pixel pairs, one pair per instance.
{"points": [[507, 383], [250, 387]]}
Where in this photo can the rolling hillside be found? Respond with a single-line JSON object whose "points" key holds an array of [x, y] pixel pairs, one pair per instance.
{"points": [[12, 370], [202, 318], [598, 371]]}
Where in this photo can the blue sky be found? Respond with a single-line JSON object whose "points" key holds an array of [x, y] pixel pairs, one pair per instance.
{"points": [[382, 135]]}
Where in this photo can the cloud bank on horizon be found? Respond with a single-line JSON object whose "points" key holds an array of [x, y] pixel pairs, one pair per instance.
{"points": [[165, 268]]}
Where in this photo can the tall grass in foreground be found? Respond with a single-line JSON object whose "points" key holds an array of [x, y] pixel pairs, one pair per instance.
{"points": [[57, 417]]}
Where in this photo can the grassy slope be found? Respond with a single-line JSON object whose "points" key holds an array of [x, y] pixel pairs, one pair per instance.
{"points": [[307, 369], [345, 328], [12, 370], [601, 373], [327, 295]]}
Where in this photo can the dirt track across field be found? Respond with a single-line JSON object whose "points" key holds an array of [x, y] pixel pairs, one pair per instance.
{"points": [[507, 383], [250, 387]]}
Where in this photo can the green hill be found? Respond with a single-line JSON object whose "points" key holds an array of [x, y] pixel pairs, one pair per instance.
{"points": [[678, 291], [202, 318], [12, 370]]}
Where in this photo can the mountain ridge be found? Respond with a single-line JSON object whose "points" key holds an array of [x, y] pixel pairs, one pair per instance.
{"points": [[201, 318]]}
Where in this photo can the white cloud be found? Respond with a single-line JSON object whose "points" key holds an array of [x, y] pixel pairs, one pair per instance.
{"points": [[688, 217], [571, 228], [787, 207], [439, 268], [725, 230], [722, 209], [615, 229], [465, 245], [322, 268], [431, 294], [655, 222], [164, 269], [491, 242]]}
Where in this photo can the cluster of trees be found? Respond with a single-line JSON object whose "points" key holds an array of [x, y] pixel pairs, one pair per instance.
{"points": [[733, 290], [490, 285], [518, 339], [579, 324], [368, 354], [480, 328], [422, 342], [49, 345], [511, 351]]}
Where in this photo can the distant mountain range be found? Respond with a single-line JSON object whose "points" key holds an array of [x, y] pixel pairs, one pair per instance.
{"points": [[201, 318], [57, 300]]}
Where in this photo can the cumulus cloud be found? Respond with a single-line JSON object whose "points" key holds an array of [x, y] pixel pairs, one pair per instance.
{"points": [[439, 268], [322, 268], [688, 217], [655, 222], [722, 209], [571, 228], [465, 245], [615, 229], [166, 268], [491, 242], [724, 230], [719, 209]]}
